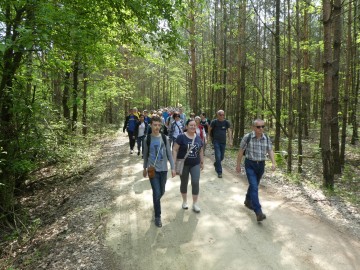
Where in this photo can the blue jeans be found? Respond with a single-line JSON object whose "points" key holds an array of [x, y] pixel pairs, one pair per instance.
{"points": [[158, 186], [254, 171], [219, 149], [140, 143]]}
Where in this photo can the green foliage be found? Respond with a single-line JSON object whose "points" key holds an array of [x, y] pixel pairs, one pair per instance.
{"points": [[280, 160]]}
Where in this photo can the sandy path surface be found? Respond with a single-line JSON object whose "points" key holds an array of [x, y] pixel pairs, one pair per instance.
{"points": [[225, 235]]}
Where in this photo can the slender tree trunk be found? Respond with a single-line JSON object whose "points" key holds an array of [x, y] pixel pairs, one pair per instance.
{"points": [[337, 26], [75, 95], [277, 76], [84, 106], [193, 77], [65, 99], [327, 160], [299, 89], [290, 108], [347, 84]]}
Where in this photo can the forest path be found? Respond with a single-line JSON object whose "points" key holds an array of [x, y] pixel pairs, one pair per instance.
{"points": [[225, 235]]}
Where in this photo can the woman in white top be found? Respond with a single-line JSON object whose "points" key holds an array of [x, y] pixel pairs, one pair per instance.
{"points": [[141, 131]]}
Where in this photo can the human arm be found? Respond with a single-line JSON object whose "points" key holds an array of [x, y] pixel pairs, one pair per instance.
{"points": [[239, 159], [126, 123], [146, 157], [272, 158], [170, 158], [202, 158]]}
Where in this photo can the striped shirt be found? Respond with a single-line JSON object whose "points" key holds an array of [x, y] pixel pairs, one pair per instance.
{"points": [[256, 149]]}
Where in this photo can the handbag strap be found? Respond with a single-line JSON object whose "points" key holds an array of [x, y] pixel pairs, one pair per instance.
{"points": [[190, 148]]}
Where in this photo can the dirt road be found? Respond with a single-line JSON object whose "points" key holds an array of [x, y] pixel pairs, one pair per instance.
{"points": [[225, 235]]}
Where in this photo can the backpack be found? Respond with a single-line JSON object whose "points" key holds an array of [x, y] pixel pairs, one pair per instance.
{"points": [[148, 141], [249, 138]]}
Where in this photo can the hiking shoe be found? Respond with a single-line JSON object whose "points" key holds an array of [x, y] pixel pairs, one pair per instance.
{"points": [[248, 204], [220, 175], [260, 216], [185, 206], [158, 222], [196, 208]]}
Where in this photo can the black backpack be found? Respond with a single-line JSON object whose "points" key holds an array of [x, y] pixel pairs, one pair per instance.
{"points": [[148, 141]]}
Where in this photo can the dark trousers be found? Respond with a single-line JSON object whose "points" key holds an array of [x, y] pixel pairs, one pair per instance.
{"points": [[254, 171], [158, 187], [140, 143], [131, 139]]}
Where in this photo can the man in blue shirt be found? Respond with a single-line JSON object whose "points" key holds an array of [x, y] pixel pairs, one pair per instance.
{"points": [[130, 126], [217, 133]]}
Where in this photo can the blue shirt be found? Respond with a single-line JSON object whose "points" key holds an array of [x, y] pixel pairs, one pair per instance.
{"points": [[218, 130], [185, 143]]}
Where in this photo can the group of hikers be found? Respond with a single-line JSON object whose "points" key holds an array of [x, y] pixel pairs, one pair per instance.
{"points": [[167, 135]]}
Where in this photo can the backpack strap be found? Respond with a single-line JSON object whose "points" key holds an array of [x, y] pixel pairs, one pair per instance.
{"points": [[148, 141]]}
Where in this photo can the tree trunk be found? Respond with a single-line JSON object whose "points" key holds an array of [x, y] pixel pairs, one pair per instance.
{"points": [[299, 89], [84, 106], [327, 160], [290, 108], [347, 85], [337, 25], [193, 78], [75, 94], [277, 76]]}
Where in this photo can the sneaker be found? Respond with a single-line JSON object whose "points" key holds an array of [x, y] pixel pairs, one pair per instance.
{"points": [[248, 204], [196, 208], [131, 152], [185, 206], [158, 222], [138, 153], [260, 216], [220, 175]]}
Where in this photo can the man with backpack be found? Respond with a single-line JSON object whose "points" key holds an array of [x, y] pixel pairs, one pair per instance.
{"points": [[255, 145], [217, 132], [156, 155]]}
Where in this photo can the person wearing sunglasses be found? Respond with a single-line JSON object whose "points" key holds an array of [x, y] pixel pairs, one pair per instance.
{"points": [[217, 133], [255, 146]]}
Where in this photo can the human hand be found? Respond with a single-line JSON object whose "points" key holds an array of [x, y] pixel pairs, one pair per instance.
{"points": [[201, 166], [173, 173], [238, 168], [273, 167], [144, 172]]}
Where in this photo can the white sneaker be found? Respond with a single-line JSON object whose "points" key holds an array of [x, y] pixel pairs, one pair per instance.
{"points": [[185, 206], [196, 208]]}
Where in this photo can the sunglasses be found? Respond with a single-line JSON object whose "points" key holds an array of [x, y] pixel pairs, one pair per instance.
{"points": [[260, 127]]}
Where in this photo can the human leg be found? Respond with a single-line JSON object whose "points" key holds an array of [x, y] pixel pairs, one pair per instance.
{"points": [[138, 142], [253, 189], [217, 163], [184, 178], [195, 180]]}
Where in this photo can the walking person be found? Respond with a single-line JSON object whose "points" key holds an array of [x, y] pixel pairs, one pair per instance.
{"points": [[191, 143], [177, 127], [200, 131], [257, 144], [130, 126], [217, 132], [141, 130], [157, 153]]}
